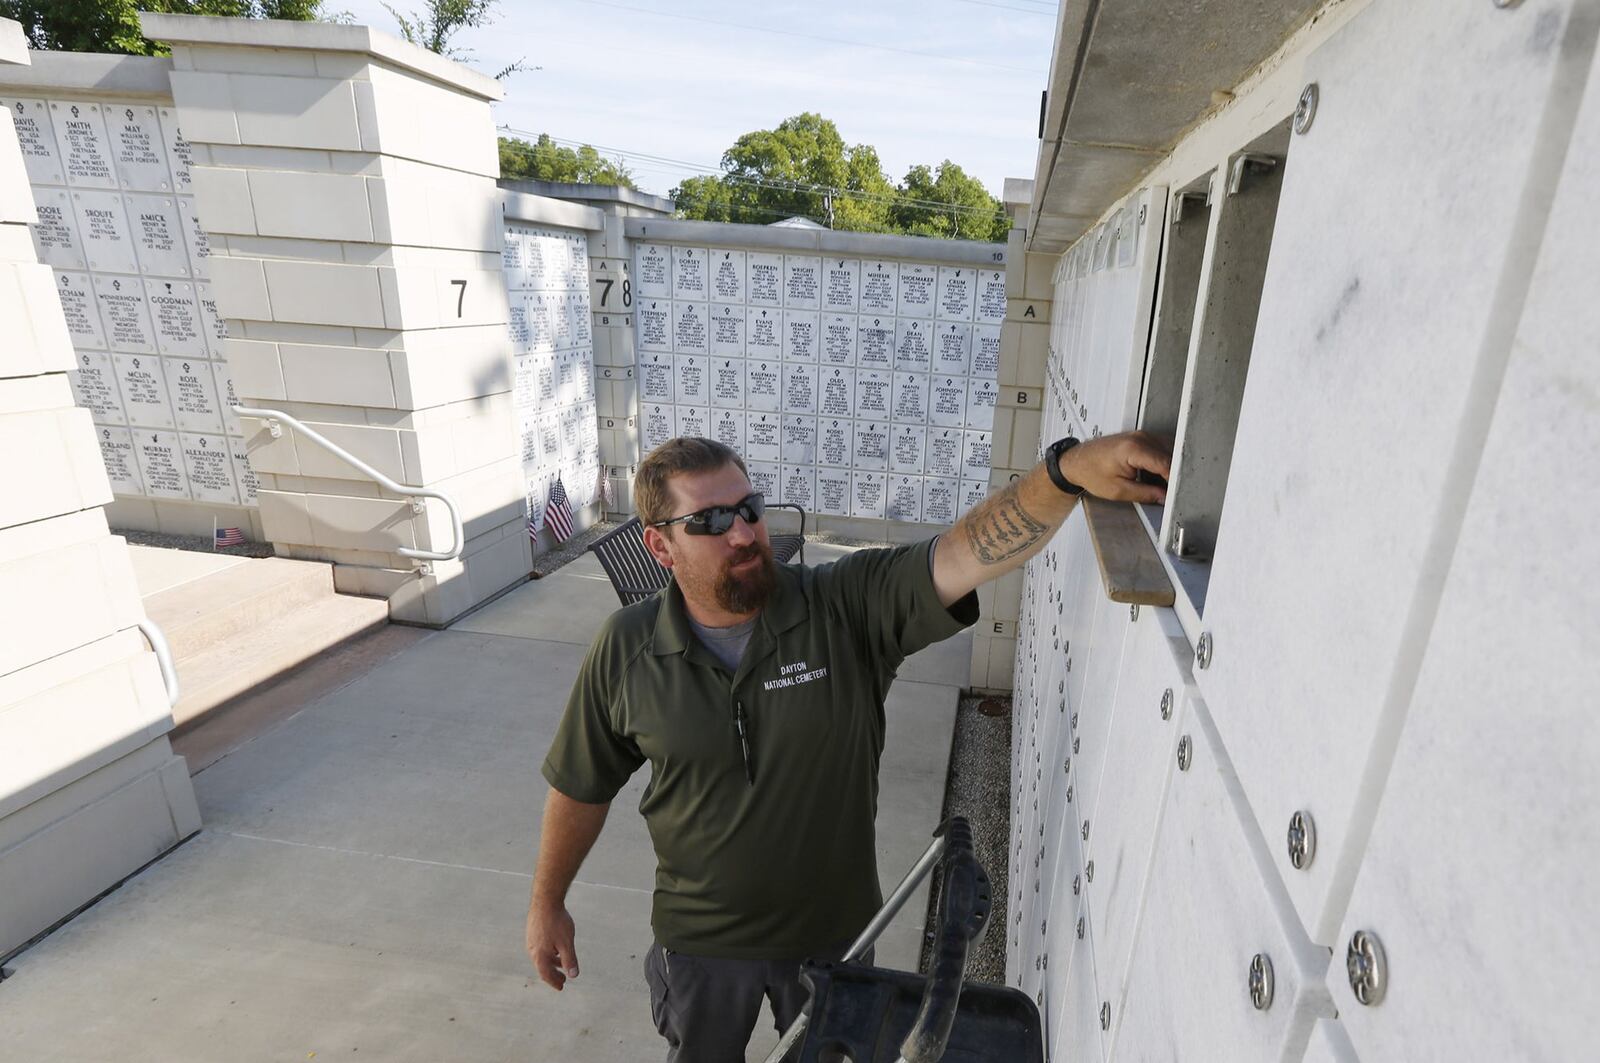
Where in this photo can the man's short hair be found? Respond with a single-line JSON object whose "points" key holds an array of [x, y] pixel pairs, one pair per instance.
{"points": [[652, 496]]}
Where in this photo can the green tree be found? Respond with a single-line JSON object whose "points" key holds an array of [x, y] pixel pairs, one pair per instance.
{"points": [[435, 28], [545, 160], [804, 167], [113, 25], [706, 198], [947, 202]]}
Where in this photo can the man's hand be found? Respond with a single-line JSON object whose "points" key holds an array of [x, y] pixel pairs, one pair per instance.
{"points": [[550, 944], [570, 828], [1015, 522], [1109, 467]]}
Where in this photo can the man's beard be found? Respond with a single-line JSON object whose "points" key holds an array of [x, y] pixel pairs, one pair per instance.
{"points": [[748, 591]]}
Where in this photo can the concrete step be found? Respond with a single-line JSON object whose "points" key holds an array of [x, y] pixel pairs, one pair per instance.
{"points": [[239, 600], [228, 667]]}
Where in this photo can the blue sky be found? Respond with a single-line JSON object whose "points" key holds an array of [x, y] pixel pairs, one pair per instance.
{"points": [[922, 82]]}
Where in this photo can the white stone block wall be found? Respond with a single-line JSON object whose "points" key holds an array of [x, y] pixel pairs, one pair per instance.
{"points": [[111, 180], [89, 787], [1363, 718], [347, 183], [1024, 339]]}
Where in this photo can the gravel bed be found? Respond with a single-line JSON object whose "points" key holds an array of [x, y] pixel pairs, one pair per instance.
{"points": [[979, 788], [571, 550], [201, 543]]}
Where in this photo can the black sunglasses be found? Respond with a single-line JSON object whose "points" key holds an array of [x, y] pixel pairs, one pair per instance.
{"points": [[716, 520]]}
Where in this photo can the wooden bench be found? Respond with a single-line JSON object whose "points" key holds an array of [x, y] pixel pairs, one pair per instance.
{"points": [[635, 574]]}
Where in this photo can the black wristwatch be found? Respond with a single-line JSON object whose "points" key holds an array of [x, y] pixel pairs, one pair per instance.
{"points": [[1052, 465]]}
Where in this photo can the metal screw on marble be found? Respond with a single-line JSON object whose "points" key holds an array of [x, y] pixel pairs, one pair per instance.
{"points": [[1088, 871], [1085, 830], [1184, 753], [1305, 112], [1302, 840], [1261, 981], [1075, 745], [1504, 4], [1367, 967], [1044, 961], [1074, 721], [1166, 704], [1069, 795], [1077, 884], [1105, 1014], [1202, 653], [1133, 612], [1080, 928]]}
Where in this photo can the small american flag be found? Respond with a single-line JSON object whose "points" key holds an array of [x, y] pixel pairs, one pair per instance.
{"points": [[558, 514], [229, 537]]}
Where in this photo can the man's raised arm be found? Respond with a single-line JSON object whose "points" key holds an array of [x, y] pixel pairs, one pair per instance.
{"points": [[569, 832], [1014, 523]]}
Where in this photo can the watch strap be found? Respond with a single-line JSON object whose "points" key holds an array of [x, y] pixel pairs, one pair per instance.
{"points": [[1052, 465]]}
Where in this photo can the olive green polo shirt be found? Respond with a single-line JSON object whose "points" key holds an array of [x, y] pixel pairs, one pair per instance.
{"points": [[782, 867]]}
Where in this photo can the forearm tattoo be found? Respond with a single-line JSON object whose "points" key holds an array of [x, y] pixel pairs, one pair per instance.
{"points": [[1000, 529]]}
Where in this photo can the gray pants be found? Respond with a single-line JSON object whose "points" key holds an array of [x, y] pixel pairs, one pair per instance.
{"points": [[707, 1008]]}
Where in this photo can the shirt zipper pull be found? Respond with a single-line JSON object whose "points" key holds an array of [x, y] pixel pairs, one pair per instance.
{"points": [[744, 742]]}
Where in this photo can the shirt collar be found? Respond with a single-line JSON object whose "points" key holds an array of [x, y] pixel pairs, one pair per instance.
{"points": [[786, 608]]}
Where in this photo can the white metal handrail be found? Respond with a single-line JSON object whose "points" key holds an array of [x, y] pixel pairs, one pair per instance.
{"points": [[169, 671], [416, 494]]}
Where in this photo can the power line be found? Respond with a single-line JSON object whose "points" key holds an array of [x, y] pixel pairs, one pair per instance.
{"points": [[777, 185], [806, 36], [1047, 12]]}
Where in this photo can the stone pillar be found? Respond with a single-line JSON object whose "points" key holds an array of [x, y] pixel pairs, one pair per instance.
{"points": [[90, 790], [346, 181], [1024, 347]]}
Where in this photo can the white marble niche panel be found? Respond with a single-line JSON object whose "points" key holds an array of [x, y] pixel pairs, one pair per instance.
{"points": [[1213, 905], [1138, 762], [175, 314], [103, 231], [728, 269], [841, 285], [84, 145], [157, 229], [138, 148], [1350, 356], [180, 154], [82, 313], [122, 467], [55, 234], [94, 387], [652, 271], [37, 138], [1480, 883]]}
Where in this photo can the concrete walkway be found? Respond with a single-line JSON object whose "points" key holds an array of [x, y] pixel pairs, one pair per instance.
{"points": [[358, 891]]}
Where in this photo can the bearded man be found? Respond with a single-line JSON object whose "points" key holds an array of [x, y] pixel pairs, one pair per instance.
{"points": [[756, 693]]}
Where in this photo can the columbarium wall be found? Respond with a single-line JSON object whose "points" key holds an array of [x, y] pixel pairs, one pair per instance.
{"points": [[90, 790]]}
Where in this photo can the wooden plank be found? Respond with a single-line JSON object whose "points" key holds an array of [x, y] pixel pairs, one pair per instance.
{"points": [[1129, 566]]}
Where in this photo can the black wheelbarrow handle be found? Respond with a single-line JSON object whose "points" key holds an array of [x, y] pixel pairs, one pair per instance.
{"points": [[963, 911]]}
